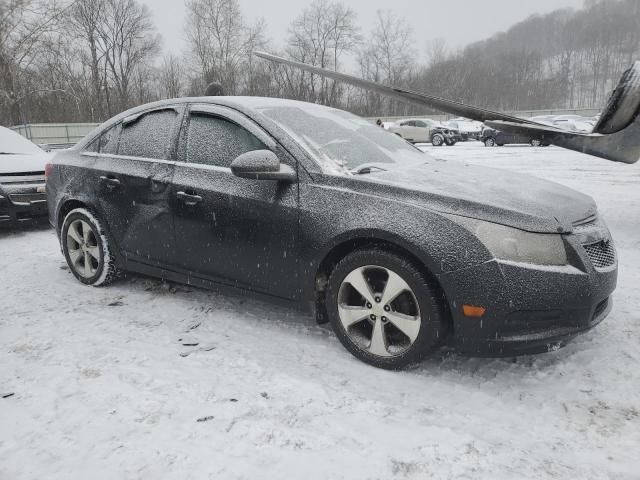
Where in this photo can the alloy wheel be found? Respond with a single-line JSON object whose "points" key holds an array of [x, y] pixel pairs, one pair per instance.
{"points": [[379, 311], [83, 248]]}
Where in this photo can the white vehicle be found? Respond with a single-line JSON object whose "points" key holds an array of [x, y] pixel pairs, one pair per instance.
{"points": [[425, 130], [22, 182], [469, 130], [578, 124]]}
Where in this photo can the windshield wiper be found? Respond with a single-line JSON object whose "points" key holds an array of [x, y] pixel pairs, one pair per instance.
{"points": [[367, 169]]}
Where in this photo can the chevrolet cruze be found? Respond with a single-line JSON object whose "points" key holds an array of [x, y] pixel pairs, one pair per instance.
{"points": [[320, 209]]}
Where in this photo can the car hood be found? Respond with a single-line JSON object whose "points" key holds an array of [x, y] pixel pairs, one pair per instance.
{"points": [[494, 195], [22, 163]]}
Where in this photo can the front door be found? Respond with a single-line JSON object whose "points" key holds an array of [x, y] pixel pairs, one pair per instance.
{"points": [[233, 230]]}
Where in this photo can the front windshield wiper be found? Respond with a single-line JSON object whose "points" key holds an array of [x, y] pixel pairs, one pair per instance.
{"points": [[365, 169]]}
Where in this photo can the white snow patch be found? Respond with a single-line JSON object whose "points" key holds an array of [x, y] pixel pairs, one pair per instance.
{"points": [[105, 388]]}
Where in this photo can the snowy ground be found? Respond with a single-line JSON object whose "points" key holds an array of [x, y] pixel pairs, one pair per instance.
{"points": [[103, 387]]}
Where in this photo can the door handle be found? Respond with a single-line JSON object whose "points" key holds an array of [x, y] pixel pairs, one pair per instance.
{"points": [[111, 183], [189, 200]]}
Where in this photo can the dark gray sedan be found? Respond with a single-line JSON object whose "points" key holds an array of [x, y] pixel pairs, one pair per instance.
{"points": [[315, 207]]}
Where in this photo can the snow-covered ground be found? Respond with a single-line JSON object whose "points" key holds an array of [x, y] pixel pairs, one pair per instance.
{"points": [[104, 386]]}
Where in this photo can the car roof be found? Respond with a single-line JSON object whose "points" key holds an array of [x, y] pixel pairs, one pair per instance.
{"points": [[243, 104]]}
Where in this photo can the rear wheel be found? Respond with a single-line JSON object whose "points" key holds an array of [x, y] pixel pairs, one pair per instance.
{"points": [[437, 140], [86, 248], [536, 142], [383, 310]]}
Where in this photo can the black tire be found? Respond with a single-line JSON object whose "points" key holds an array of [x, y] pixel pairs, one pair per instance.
{"points": [[437, 140], [490, 142], [623, 105], [432, 329], [450, 143], [105, 269], [535, 142]]}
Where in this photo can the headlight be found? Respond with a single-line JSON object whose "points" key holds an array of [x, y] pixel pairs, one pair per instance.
{"points": [[515, 245]]}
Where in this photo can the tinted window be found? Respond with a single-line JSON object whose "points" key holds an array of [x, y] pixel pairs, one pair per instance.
{"points": [[109, 140], [216, 141], [93, 146], [148, 136], [420, 124]]}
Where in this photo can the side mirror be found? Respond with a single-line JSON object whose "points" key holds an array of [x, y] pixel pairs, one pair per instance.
{"points": [[262, 165]]}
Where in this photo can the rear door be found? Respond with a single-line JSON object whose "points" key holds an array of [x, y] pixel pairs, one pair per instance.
{"points": [[133, 170], [421, 132], [233, 230]]}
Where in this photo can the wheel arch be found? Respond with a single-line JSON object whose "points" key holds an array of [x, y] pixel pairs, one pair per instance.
{"points": [[360, 240], [65, 207]]}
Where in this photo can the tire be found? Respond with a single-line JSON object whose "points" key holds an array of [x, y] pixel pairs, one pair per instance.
{"points": [[357, 319], [84, 242], [437, 140], [623, 105], [450, 143], [490, 142], [535, 142]]}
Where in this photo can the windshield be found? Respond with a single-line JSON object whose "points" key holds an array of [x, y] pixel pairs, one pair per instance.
{"points": [[343, 143], [14, 143]]}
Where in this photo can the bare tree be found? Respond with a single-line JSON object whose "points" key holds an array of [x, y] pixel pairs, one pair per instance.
{"points": [[171, 77], [85, 21], [23, 26], [128, 40], [320, 35], [221, 41], [388, 56]]}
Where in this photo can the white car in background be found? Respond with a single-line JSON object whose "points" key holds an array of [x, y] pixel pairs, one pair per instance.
{"points": [[469, 129], [424, 130], [22, 180]]}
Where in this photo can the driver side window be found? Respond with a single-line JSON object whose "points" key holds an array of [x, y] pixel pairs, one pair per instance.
{"points": [[213, 140]]}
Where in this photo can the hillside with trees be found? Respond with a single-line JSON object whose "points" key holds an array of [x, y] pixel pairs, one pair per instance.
{"points": [[86, 60]]}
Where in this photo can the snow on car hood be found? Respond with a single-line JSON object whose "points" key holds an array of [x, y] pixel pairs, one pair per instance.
{"points": [[21, 163], [489, 194]]}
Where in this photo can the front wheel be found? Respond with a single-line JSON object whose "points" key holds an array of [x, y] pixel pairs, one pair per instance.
{"points": [[437, 140], [490, 142], [383, 310], [86, 248], [535, 142]]}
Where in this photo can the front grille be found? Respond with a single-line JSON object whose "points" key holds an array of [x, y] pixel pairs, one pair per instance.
{"points": [[602, 254]]}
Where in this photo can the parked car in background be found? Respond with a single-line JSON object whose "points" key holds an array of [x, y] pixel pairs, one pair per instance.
{"points": [[425, 131], [22, 182], [469, 130], [492, 138], [579, 124], [319, 208]]}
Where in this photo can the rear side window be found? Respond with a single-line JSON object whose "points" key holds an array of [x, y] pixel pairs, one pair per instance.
{"points": [[109, 140], [106, 142], [420, 124], [215, 141], [149, 136]]}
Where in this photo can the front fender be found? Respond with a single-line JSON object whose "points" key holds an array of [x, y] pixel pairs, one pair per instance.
{"points": [[332, 215]]}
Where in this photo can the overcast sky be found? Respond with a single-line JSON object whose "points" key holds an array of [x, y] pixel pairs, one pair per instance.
{"points": [[458, 22]]}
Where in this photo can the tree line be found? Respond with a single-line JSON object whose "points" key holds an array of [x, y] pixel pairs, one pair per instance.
{"points": [[86, 60]]}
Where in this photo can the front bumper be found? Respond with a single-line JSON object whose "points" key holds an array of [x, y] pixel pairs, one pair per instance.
{"points": [[22, 204], [529, 308]]}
